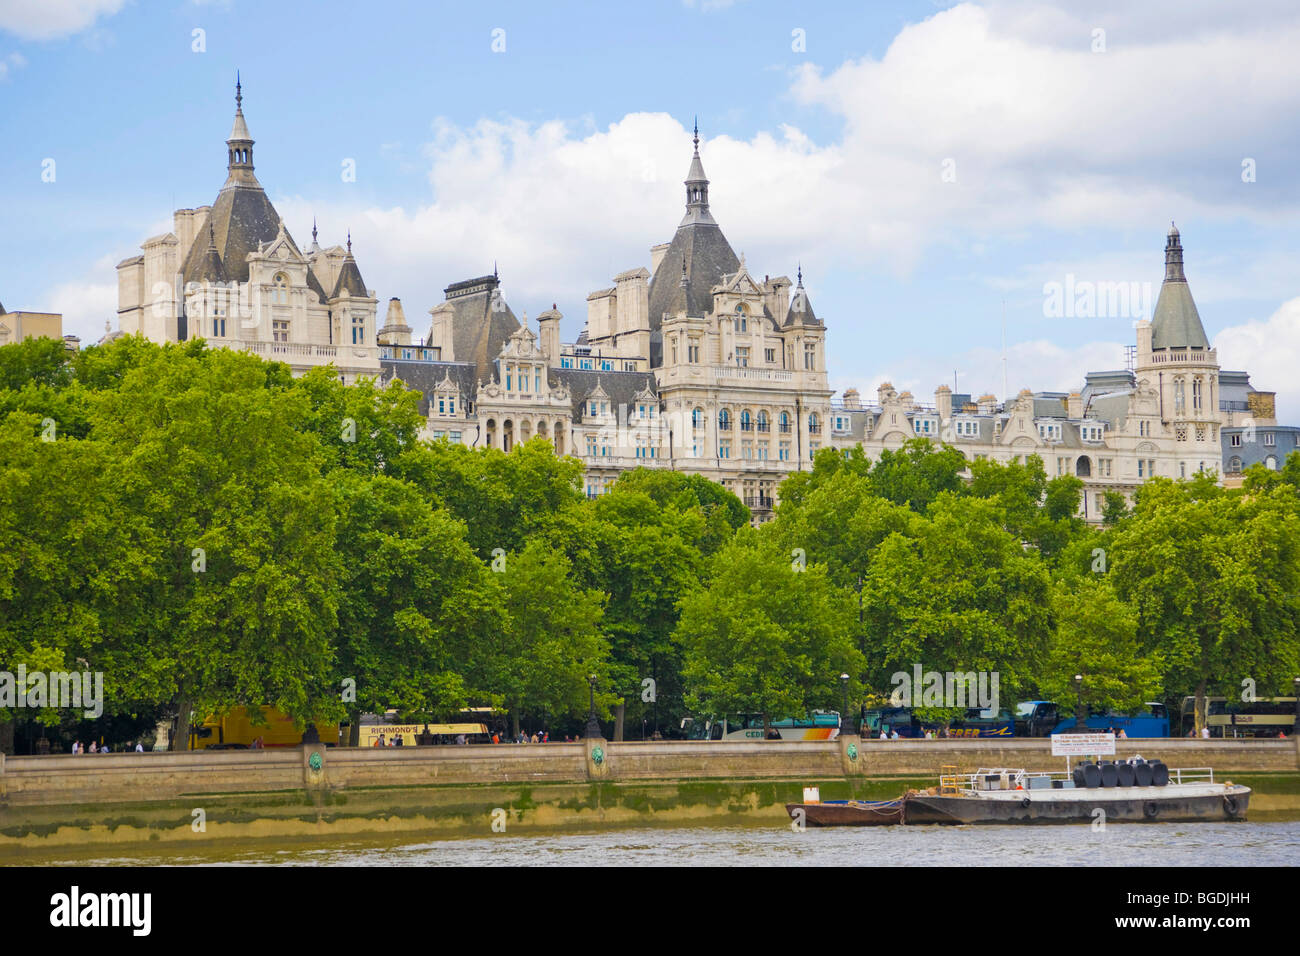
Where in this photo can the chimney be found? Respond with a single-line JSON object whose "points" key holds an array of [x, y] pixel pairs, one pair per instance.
{"points": [[395, 330], [943, 402], [548, 334], [852, 399], [1074, 406]]}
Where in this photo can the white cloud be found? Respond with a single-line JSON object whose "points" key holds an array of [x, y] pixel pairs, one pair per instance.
{"points": [[1267, 350], [48, 19], [9, 63], [87, 304]]}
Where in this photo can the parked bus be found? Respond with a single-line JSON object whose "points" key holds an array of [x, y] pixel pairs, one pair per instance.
{"points": [[235, 730], [1263, 717], [818, 725], [1042, 718], [975, 722]]}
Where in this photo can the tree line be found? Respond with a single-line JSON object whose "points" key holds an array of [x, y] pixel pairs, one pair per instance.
{"points": [[207, 531]]}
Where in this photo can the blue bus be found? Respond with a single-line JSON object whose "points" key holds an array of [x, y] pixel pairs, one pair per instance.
{"points": [[1041, 718]]}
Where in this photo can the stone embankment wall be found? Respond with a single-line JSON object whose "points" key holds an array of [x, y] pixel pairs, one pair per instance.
{"points": [[121, 778]]}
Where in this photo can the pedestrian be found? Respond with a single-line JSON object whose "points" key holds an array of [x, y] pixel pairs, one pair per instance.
{"points": [[1122, 734], [1205, 732], [381, 742], [884, 735], [894, 734], [139, 746], [546, 736], [93, 748], [495, 739]]}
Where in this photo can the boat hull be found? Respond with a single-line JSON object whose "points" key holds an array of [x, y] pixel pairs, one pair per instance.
{"points": [[1081, 806], [849, 814]]}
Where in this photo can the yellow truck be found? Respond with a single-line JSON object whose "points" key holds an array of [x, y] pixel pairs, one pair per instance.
{"points": [[235, 730]]}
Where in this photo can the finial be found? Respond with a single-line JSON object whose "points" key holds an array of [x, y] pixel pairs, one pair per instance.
{"points": [[349, 242], [799, 273], [239, 95], [494, 270], [697, 133], [313, 228]]}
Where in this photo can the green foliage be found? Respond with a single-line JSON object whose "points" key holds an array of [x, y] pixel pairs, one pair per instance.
{"points": [[764, 638]]}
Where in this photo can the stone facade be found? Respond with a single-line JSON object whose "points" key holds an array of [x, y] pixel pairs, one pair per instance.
{"points": [[693, 364], [232, 274]]}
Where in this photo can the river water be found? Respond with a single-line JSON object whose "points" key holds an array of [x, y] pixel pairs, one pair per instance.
{"points": [[1163, 844]]}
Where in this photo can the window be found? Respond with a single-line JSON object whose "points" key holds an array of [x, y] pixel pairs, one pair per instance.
{"points": [[742, 357], [442, 405], [810, 357], [784, 451], [455, 436], [763, 424], [585, 363], [747, 449], [761, 447], [1269, 439], [968, 429], [812, 449], [697, 418], [280, 330], [922, 426], [1049, 431], [280, 289], [219, 327], [358, 330], [566, 362], [814, 424], [724, 420], [1180, 399], [1141, 468], [745, 424], [510, 379], [769, 356], [693, 352], [785, 424], [1234, 441], [591, 446], [724, 448], [1196, 394]]}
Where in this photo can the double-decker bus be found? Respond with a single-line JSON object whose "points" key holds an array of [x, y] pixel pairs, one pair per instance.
{"points": [[818, 725], [976, 722], [1263, 717]]}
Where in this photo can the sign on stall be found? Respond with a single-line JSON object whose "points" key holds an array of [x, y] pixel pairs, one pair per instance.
{"points": [[1082, 745]]}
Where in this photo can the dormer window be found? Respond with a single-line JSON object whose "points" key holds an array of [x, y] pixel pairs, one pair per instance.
{"points": [[280, 289]]}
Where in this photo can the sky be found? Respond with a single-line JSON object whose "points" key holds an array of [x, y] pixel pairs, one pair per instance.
{"points": [[947, 174]]}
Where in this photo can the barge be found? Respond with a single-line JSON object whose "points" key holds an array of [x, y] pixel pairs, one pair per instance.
{"points": [[1131, 792]]}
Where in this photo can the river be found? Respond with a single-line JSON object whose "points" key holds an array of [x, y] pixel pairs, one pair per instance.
{"points": [[1163, 844]]}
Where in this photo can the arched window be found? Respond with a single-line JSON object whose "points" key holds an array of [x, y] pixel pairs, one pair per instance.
{"points": [[697, 418], [814, 423], [280, 289], [724, 420], [1234, 465], [745, 424], [741, 323], [785, 423], [762, 422]]}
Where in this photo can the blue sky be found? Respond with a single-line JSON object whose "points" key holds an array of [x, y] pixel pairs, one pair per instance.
{"points": [[925, 162]]}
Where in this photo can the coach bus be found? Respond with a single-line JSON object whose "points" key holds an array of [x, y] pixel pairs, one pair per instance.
{"points": [[1262, 717]]}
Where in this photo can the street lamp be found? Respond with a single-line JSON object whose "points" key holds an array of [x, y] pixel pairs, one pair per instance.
{"points": [[593, 725], [1295, 728], [1078, 703], [846, 722]]}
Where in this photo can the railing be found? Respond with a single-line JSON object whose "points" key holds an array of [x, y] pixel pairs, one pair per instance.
{"points": [[760, 502]]}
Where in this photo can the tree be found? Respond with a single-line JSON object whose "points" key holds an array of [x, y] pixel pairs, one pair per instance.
{"points": [[417, 611], [765, 638], [1096, 636], [539, 663], [1214, 577], [238, 575]]}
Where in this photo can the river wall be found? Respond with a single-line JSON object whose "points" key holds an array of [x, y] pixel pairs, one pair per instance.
{"points": [[313, 792]]}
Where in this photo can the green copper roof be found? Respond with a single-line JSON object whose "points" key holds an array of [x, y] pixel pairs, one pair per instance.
{"points": [[1176, 323]]}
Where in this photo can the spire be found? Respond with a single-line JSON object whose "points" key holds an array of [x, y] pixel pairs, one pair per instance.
{"points": [[1173, 256], [799, 273], [1176, 323], [349, 242], [239, 145], [697, 187]]}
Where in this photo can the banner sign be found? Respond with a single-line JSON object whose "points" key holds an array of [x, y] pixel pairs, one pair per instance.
{"points": [[1082, 745]]}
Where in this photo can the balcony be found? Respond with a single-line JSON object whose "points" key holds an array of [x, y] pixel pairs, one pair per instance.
{"points": [[759, 503]]}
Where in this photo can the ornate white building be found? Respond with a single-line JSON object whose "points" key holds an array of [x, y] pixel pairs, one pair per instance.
{"points": [[693, 364], [232, 274]]}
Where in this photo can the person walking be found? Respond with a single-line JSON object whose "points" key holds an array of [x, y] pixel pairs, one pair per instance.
{"points": [[139, 746]]}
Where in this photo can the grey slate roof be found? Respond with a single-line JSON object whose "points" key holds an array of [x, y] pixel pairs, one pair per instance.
{"points": [[241, 217], [621, 387], [708, 258], [801, 310], [1175, 322], [481, 323], [349, 279], [424, 377]]}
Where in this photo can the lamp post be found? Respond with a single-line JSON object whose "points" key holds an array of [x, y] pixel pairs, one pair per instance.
{"points": [[1295, 728], [593, 725], [1078, 703], [846, 722]]}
